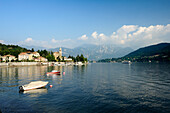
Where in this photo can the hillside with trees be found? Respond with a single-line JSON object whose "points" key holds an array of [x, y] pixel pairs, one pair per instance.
{"points": [[159, 49], [11, 49], [154, 53], [15, 50]]}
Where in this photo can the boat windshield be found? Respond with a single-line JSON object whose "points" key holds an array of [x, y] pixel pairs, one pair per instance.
{"points": [[54, 71]]}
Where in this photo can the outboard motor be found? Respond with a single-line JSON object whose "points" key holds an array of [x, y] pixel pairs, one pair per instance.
{"points": [[21, 88]]}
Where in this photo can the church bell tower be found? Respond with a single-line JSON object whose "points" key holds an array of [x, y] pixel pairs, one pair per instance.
{"points": [[60, 53]]}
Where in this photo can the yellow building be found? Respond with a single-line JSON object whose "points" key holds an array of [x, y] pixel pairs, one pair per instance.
{"points": [[43, 59], [40, 59], [58, 54]]}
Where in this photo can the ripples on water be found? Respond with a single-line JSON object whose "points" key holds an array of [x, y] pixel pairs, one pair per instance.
{"points": [[99, 88]]}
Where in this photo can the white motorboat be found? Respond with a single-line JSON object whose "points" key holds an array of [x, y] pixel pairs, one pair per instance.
{"points": [[33, 85]]}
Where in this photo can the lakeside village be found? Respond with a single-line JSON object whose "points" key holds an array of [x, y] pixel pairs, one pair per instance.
{"points": [[47, 58]]}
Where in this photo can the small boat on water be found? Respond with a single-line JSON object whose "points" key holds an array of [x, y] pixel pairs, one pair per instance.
{"points": [[126, 62], [33, 85], [53, 72]]}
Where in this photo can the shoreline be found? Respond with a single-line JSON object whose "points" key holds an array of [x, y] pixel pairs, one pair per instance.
{"points": [[13, 64]]}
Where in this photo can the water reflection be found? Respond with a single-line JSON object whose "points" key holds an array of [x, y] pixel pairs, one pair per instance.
{"points": [[19, 72], [143, 84], [16, 76], [35, 92], [106, 87]]}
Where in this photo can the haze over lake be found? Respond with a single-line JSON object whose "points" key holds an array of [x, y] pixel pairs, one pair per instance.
{"points": [[99, 88]]}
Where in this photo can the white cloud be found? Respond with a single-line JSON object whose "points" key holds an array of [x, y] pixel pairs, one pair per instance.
{"points": [[128, 36], [123, 31], [140, 30], [122, 41], [127, 29], [83, 37], [94, 35], [28, 40], [49, 44], [149, 35], [54, 41], [102, 36], [59, 41], [133, 36], [1, 41]]}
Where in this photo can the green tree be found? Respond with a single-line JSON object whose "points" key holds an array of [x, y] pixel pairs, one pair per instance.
{"points": [[82, 59], [78, 58], [58, 59], [32, 50], [70, 56], [73, 58], [50, 57], [86, 59]]}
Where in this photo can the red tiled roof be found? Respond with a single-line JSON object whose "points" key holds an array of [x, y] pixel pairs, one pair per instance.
{"points": [[8, 55]]}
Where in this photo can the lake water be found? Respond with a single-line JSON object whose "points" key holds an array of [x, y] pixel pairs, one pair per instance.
{"points": [[94, 88]]}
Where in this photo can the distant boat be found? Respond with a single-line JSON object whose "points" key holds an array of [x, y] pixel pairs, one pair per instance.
{"points": [[53, 72], [126, 62], [78, 64], [33, 85]]}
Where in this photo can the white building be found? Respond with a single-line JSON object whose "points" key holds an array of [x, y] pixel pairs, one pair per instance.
{"points": [[36, 54], [8, 58], [68, 59], [25, 56], [31, 56]]}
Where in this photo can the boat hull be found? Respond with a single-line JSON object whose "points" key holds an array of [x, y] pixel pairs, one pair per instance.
{"points": [[53, 72], [33, 85]]}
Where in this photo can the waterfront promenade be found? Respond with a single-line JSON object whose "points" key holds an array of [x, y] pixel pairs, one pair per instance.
{"points": [[40, 63]]}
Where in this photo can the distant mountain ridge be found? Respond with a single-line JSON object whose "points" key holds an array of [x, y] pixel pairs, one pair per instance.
{"points": [[161, 49], [92, 52], [154, 53], [95, 52]]}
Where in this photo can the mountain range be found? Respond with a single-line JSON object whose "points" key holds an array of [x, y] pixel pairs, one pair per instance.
{"points": [[95, 52], [159, 51], [91, 52], [153, 53]]}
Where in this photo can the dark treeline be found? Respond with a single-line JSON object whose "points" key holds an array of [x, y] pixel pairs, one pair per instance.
{"points": [[15, 50], [47, 54], [78, 58], [11, 50], [159, 58]]}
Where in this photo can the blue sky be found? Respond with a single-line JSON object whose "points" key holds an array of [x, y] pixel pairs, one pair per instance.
{"points": [[71, 23]]}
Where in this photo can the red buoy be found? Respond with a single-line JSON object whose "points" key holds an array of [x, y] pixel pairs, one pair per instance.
{"points": [[51, 85]]}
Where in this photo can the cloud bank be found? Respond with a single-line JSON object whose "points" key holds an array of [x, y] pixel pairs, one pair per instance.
{"points": [[1, 41], [84, 37], [133, 36]]}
